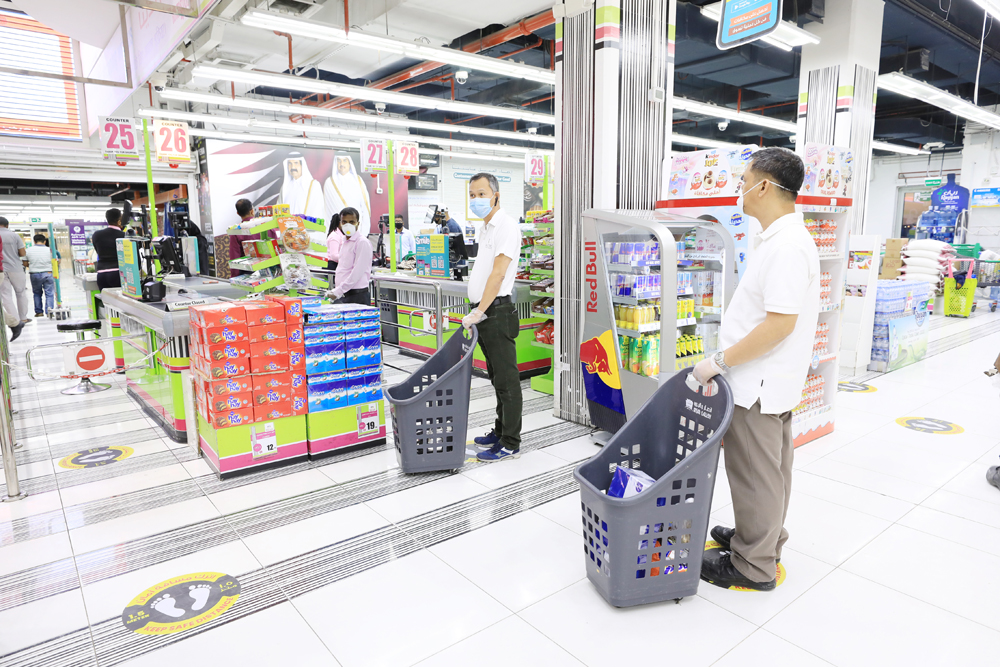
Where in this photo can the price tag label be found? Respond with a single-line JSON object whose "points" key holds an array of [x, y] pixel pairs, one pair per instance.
{"points": [[171, 140], [534, 168], [368, 420], [263, 440], [120, 138], [407, 158], [374, 156]]}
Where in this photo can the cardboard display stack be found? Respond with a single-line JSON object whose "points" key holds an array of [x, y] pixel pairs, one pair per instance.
{"points": [[892, 262]]}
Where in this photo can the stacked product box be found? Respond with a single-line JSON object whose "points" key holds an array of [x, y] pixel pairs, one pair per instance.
{"points": [[895, 299], [250, 384], [343, 365]]}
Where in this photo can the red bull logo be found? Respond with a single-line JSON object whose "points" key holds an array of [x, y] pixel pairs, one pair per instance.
{"points": [[594, 357], [600, 371], [590, 282]]}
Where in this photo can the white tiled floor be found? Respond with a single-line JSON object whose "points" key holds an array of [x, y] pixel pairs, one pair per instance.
{"points": [[894, 556]]}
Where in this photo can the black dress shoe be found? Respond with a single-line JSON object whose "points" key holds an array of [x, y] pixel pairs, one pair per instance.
{"points": [[724, 536], [15, 332], [993, 476], [718, 569]]}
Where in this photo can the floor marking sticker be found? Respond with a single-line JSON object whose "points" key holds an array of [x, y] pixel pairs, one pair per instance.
{"points": [[856, 387], [928, 425], [95, 457], [780, 579], [181, 603]]}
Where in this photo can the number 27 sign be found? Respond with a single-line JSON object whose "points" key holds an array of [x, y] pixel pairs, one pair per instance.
{"points": [[374, 156], [171, 141]]}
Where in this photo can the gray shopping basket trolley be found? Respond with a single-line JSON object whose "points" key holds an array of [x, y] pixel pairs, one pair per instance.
{"points": [[430, 409], [649, 547]]}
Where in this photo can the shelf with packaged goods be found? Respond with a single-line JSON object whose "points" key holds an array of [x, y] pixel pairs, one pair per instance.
{"points": [[544, 316], [542, 272], [253, 263], [653, 327], [695, 256], [829, 307], [278, 281], [708, 310], [803, 417], [826, 358], [542, 345], [636, 265], [825, 257], [268, 225], [543, 295]]}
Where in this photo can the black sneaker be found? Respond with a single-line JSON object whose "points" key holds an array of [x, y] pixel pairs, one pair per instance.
{"points": [[15, 332], [993, 476], [724, 536], [717, 569]]}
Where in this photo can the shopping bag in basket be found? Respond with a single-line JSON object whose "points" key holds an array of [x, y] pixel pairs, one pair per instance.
{"points": [[959, 298]]}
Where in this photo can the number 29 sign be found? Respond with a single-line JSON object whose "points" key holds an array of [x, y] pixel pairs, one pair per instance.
{"points": [[534, 168], [171, 140], [374, 156], [119, 138]]}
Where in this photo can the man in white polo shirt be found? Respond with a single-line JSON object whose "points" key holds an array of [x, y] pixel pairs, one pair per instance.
{"points": [[766, 345], [491, 285]]}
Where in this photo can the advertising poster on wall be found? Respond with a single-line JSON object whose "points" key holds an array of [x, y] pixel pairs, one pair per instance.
{"points": [[829, 171], [316, 182]]}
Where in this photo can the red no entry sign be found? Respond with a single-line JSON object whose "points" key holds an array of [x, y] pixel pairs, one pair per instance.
{"points": [[90, 358]]}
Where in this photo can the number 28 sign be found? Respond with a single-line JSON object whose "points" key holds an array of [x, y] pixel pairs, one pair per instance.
{"points": [[407, 158], [374, 156], [171, 141], [119, 138]]}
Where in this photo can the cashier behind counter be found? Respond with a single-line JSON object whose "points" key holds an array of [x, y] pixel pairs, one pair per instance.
{"points": [[105, 246]]}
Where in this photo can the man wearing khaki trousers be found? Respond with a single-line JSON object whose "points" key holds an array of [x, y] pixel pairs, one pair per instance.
{"points": [[766, 345]]}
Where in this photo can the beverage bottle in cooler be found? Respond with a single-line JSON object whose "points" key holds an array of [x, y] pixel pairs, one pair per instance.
{"points": [[623, 350], [635, 355]]}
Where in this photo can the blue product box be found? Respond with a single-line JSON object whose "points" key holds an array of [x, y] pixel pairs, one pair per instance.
{"points": [[373, 385], [323, 314], [327, 391], [356, 387], [324, 358], [322, 330], [371, 354]]}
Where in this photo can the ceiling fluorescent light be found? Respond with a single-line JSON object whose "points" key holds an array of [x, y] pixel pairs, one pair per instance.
{"points": [[786, 37], [178, 94], [307, 85], [919, 90], [898, 148], [271, 139], [475, 156], [328, 33], [253, 123], [992, 7], [715, 111], [687, 140]]}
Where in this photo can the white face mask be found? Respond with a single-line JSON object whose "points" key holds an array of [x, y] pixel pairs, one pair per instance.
{"points": [[739, 200], [349, 229]]}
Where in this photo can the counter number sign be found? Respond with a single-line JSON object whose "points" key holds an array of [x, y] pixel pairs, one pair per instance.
{"points": [[171, 141], [534, 168], [119, 139], [407, 158], [374, 156]]}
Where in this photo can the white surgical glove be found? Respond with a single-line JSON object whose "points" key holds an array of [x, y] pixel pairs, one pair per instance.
{"points": [[475, 317], [705, 370], [335, 293]]}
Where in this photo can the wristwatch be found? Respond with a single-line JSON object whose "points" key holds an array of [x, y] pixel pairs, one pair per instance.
{"points": [[720, 359]]}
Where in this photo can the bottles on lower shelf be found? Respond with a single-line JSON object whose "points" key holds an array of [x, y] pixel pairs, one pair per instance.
{"points": [[812, 394]]}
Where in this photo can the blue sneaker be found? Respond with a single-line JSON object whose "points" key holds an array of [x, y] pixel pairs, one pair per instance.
{"points": [[498, 453], [487, 441]]}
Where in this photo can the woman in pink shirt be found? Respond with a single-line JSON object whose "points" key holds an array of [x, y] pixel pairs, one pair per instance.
{"points": [[334, 241], [354, 263]]}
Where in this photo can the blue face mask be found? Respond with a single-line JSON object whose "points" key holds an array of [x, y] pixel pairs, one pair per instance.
{"points": [[480, 207]]}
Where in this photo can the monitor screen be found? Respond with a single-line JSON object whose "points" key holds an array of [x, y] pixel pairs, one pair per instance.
{"points": [[429, 218]]}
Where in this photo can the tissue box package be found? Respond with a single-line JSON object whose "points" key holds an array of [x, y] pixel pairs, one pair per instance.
{"points": [[626, 483]]}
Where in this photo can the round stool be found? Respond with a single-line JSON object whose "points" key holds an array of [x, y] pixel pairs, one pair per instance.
{"points": [[81, 327]]}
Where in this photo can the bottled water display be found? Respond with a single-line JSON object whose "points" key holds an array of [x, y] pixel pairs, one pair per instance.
{"points": [[894, 299]]}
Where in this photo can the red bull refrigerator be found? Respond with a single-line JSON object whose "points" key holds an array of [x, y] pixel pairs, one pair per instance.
{"points": [[655, 291]]}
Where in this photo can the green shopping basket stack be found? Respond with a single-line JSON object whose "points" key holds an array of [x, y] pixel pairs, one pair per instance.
{"points": [[959, 301]]}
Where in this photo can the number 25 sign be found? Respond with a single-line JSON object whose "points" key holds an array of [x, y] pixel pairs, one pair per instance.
{"points": [[171, 141], [119, 140], [534, 168], [374, 156]]}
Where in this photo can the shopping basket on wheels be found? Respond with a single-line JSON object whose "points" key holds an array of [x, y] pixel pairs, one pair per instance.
{"points": [[430, 409], [649, 547], [959, 300], [988, 275]]}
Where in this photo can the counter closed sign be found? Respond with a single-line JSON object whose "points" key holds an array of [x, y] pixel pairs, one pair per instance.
{"points": [[119, 139], [171, 141]]}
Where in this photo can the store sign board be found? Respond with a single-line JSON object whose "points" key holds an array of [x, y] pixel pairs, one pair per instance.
{"points": [[407, 158], [986, 197], [534, 168], [120, 138], [34, 219], [170, 137], [374, 156], [744, 21], [932, 182], [707, 174]]}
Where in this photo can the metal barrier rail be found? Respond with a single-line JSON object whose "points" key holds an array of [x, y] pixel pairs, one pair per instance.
{"points": [[149, 353], [406, 283], [7, 435]]}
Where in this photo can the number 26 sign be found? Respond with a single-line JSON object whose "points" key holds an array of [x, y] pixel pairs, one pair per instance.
{"points": [[374, 156], [171, 140]]}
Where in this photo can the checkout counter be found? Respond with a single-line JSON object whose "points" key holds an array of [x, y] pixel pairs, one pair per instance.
{"points": [[415, 309], [160, 389]]}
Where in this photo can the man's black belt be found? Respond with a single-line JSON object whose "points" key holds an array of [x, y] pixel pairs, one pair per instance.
{"points": [[498, 300]]}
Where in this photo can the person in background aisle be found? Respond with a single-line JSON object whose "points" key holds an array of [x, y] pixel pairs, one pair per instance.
{"points": [[405, 243], [106, 247], [453, 227], [15, 287], [491, 284], [354, 269], [9, 314], [766, 345], [40, 271], [334, 242]]}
